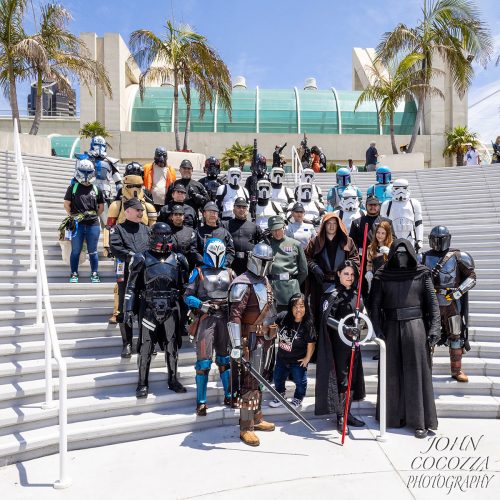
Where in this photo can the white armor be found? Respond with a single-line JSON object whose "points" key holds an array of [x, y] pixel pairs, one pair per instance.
{"points": [[312, 207], [307, 177], [280, 193], [349, 207], [227, 193], [405, 213], [265, 207]]}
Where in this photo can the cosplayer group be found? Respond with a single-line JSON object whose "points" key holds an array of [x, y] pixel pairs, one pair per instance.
{"points": [[264, 279]]}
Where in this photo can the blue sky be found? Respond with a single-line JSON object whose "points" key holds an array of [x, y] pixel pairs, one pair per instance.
{"points": [[274, 43]]}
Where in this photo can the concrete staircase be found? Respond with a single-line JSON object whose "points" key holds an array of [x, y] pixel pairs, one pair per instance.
{"points": [[101, 386]]}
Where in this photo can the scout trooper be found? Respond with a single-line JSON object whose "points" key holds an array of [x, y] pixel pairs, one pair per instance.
{"points": [[307, 177], [405, 213], [349, 207], [227, 193], [313, 208], [266, 205], [280, 193]]}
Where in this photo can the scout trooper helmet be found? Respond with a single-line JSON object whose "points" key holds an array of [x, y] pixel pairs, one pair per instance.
{"points": [[307, 176], [234, 176], [277, 175], [263, 190], [305, 192]]}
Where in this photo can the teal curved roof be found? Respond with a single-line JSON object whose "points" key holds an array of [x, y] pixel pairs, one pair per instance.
{"points": [[65, 145], [270, 111]]}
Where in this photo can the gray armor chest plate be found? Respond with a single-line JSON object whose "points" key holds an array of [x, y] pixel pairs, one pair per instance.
{"points": [[447, 277], [261, 294], [215, 284], [160, 274]]}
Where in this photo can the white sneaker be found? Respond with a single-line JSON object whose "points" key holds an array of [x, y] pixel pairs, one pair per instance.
{"points": [[275, 403], [297, 403]]}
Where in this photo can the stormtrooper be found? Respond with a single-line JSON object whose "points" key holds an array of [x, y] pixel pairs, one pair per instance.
{"points": [[266, 206], [334, 196], [227, 193], [382, 189], [405, 213], [307, 177], [312, 208], [211, 182], [453, 276], [349, 208], [156, 280], [259, 173], [280, 193], [106, 168], [206, 296]]}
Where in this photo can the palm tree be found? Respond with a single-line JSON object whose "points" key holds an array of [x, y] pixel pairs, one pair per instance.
{"points": [[67, 56], [451, 30], [456, 143], [187, 57], [18, 51], [237, 154], [92, 129], [392, 85]]}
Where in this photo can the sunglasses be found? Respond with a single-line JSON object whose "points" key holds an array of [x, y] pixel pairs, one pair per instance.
{"points": [[131, 186]]}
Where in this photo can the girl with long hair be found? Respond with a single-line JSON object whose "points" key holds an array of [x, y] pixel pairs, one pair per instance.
{"points": [[378, 250]]}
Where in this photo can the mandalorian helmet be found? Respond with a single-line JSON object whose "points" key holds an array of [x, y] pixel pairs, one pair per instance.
{"points": [[212, 167], [349, 201], [383, 175], [305, 193], [234, 176], [259, 167], [343, 177], [263, 190], [161, 155], [400, 190], [98, 145], [85, 172], [440, 239], [161, 238], [277, 175], [214, 254], [260, 259], [307, 176], [134, 168]]}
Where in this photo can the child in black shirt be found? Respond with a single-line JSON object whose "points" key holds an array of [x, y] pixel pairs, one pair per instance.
{"points": [[296, 341]]}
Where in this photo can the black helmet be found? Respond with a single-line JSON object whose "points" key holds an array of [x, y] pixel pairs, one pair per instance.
{"points": [[440, 239], [161, 154], [186, 164], [260, 165], [212, 166], [161, 238], [134, 168]]}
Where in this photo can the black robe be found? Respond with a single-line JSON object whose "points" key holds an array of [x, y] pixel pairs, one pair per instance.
{"points": [[333, 357], [407, 294]]}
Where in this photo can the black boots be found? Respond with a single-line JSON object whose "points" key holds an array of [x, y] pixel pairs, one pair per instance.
{"points": [[126, 331], [421, 433], [351, 419], [141, 391], [173, 382]]}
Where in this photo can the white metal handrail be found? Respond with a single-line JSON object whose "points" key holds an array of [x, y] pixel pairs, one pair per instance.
{"points": [[44, 314], [296, 165]]}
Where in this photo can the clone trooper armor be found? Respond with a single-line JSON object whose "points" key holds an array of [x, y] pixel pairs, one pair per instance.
{"points": [[227, 193], [453, 276], [405, 214], [266, 206], [313, 209], [382, 189], [156, 281], [211, 181], [334, 196], [280, 193], [206, 296], [106, 167], [252, 331], [349, 207], [307, 177]]}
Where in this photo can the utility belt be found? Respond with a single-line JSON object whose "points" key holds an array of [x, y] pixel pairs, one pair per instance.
{"points": [[240, 255], [282, 277], [403, 313], [444, 291], [269, 331], [154, 296]]}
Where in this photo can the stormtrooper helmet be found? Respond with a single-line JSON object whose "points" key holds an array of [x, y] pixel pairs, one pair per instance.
{"points": [[234, 176], [307, 176], [277, 175], [263, 190], [400, 190], [305, 192], [349, 201], [98, 145]]}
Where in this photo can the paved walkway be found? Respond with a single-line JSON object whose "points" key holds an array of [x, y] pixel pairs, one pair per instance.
{"points": [[462, 461]]}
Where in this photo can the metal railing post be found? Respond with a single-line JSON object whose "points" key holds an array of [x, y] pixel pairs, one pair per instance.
{"points": [[33, 252], [49, 386], [382, 389], [64, 480]]}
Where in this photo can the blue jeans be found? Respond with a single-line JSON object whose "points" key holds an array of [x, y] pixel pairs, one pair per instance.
{"points": [[90, 234], [299, 376]]}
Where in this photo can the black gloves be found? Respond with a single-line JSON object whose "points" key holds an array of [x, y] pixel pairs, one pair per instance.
{"points": [[318, 274], [433, 340]]}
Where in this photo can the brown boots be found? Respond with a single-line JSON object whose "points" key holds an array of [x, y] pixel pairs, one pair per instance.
{"points": [[248, 428], [261, 424], [456, 365]]}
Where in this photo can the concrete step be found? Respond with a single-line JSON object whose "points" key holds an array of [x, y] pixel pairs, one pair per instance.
{"points": [[64, 288], [60, 301]]}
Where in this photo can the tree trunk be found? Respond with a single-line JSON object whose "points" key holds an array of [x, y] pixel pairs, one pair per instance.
{"points": [[176, 112], [13, 96], [391, 130], [418, 119], [188, 116], [39, 105], [460, 159]]}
